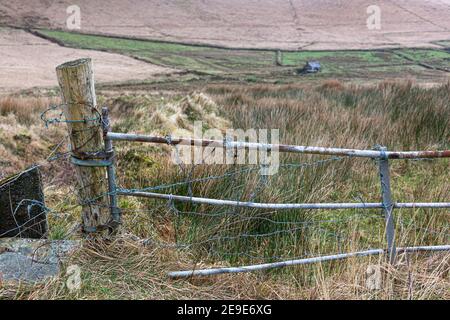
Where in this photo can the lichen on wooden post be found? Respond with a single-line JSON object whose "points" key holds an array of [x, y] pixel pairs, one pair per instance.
{"points": [[84, 124]]}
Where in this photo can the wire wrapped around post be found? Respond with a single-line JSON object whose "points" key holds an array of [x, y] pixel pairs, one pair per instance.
{"points": [[80, 108]]}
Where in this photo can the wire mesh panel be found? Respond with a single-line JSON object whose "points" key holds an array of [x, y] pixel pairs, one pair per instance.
{"points": [[237, 233]]}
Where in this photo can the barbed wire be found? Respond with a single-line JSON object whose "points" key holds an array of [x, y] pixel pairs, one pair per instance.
{"points": [[60, 118]]}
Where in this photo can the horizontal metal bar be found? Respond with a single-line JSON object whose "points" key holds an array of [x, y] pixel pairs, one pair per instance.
{"points": [[279, 147], [265, 266], [327, 206], [418, 205]]}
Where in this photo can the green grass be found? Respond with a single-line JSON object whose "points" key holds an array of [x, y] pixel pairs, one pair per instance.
{"points": [[194, 58], [437, 58], [361, 57], [444, 43], [260, 64], [345, 63], [102, 42]]}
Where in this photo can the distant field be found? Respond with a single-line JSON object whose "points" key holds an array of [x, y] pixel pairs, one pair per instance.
{"points": [[215, 61], [28, 61], [197, 58], [117, 61], [233, 40], [435, 58], [444, 43]]}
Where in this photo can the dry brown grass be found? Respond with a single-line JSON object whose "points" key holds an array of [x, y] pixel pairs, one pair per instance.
{"points": [[23, 138], [398, 115], [415, 277], [401, 116], [125, 269], [24, 108]]}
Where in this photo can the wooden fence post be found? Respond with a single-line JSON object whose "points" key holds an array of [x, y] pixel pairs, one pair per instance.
{"points": [[87, 148]]}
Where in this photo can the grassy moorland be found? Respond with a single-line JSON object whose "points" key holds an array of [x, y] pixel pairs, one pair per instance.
{"points": [[259, 65], [399, 115]]}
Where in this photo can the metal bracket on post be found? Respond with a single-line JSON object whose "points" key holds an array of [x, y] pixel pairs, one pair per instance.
{"points": [[388, 205], [115, 211]]}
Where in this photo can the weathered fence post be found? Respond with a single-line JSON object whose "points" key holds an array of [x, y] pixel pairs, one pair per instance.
{"points": [[87, 150], [387, 204]]}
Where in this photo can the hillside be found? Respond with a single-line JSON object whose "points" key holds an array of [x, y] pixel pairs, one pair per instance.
{"points": [[284, 24]]}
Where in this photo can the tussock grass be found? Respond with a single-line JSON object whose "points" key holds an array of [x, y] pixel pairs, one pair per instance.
{"points": [[399, 115], [358, 117], [24, 108], [124, 269], [23, 138]]}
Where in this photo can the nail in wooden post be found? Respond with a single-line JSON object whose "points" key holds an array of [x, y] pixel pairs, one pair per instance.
{"points": [[84, 124]]}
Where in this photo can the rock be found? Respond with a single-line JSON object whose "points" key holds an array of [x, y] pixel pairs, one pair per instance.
{"points": [[22, 208], [18, 267], [32, 261]]}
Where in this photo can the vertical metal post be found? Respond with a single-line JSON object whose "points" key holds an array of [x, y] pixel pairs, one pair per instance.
{"points": [[115, 211], [387, 204]]}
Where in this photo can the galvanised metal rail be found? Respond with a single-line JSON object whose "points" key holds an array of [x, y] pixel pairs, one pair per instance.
{"points": [[281, 264], [279, 206], [279, 147]]}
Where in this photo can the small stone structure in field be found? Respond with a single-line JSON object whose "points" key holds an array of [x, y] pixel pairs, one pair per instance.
{"points": [[310, 67]]}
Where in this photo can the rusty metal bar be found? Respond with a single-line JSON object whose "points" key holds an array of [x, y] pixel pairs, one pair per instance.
{"points": [[280, 206], [278, 147]]}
